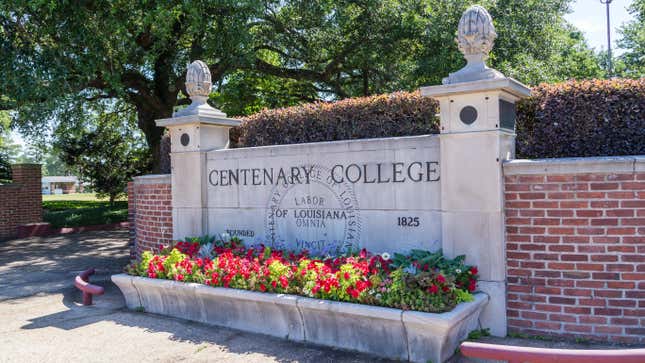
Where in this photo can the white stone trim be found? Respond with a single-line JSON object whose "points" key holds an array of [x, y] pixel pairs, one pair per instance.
{"points": [[386, 332], [211, 119], [603, 164], [152, 179], [385, 143], [509, 85]]}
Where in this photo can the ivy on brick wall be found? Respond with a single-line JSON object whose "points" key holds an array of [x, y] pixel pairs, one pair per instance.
{"points": [[583, 118]]}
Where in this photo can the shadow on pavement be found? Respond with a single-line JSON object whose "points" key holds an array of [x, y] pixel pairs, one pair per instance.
{"points": [[111, 307]]}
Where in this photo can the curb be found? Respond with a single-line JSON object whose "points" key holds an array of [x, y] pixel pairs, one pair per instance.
{"points": [[45, 229]]}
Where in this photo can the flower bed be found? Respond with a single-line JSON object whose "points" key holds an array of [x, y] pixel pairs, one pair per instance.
{"points": [[421, 281]]}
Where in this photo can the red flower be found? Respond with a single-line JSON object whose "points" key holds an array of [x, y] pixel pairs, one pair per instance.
{"points": [[353, 292], [441, 279], [473, 270], [433, 289], [263, 288], [274, 284], [472, 285], [346, 276], [362, 285], [284, 282]]}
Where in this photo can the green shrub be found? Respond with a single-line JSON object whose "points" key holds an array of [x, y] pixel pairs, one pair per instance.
{"points": [[75, 213]]}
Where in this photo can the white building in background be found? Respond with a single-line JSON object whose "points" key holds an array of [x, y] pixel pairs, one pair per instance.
{"points": [[61, 185]]}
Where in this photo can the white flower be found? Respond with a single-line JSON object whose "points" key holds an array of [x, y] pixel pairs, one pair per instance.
{"points": [[385, 256], [379, 296], [412, 270], [458, 270]]}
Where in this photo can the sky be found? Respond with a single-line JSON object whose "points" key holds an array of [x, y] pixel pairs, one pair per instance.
{"points": [[588, 16]]}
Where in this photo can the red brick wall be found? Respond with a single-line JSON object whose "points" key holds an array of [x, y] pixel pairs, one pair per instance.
{"points": [[149, 213], [576, 249], [20, 201]]}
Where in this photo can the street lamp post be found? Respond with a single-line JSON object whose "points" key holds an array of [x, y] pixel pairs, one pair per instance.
{"points": [[607, 2]]}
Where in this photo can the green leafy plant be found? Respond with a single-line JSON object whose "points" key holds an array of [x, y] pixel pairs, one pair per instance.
{"points": [[478, 334], [421, 280]]}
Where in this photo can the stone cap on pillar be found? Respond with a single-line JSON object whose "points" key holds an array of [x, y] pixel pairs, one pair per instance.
{"points": [[509, 86], [475, 106], [477, 98], [202, 119], [198, 127]]}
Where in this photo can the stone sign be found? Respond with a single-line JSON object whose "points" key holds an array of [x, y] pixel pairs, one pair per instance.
{"points": [[385, 195], [380, 194]]}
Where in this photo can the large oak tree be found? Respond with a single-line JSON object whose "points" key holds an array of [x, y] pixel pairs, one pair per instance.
{"points": [[58, 57], [60, 52]]}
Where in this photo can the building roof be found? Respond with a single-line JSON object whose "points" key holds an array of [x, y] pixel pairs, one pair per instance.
{"points": [[60, 179]]}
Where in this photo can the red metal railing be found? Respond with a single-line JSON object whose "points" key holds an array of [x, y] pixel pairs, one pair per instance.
{"points": [[82, 282], [514, 354]]}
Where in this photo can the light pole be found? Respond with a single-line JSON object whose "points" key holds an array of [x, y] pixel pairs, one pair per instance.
{"points": [[607, 2]]}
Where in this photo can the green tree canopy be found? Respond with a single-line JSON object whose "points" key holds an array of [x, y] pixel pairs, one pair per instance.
{"points": [[104, 151], [57, 52], [633, 40], [5, 151], [60, 59]]}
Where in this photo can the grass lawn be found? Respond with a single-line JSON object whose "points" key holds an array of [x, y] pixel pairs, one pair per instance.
{"points": [[82, 209]]}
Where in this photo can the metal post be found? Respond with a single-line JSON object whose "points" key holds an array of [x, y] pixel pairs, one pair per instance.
{"points": [[609, 68]]}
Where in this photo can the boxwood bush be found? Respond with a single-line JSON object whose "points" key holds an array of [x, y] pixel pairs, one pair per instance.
{"points": [[575, 118]]}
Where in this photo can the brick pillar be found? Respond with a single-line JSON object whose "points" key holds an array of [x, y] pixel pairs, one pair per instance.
{"points": [[28, 177], [21, 200], [132, 197], [150, 213]]}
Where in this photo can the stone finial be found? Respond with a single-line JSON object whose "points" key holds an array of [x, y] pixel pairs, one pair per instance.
{"points": [[198, 79], [475, 38], [198, 85]]}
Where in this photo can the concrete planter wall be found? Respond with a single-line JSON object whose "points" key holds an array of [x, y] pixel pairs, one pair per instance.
{"points": [[386, 332]]}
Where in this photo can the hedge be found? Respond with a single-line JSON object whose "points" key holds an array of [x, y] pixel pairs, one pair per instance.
{"points": [[389, 115], [575, 118], [582, 118]]}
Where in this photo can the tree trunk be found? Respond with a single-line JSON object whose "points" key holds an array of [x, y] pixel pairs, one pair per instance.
{"points": [[146, 121], [366, 82]]}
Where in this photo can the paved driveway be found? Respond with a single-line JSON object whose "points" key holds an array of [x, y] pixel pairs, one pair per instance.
{"points": [[41, 319]]}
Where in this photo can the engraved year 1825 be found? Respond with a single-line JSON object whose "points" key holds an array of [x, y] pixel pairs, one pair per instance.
{"points": [[408, 221]]}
